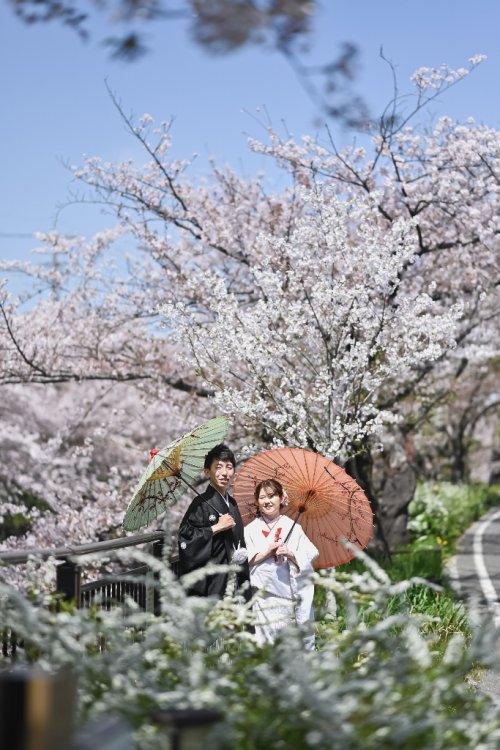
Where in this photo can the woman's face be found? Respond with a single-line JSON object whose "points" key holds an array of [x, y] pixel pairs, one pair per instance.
{"points": [[269, 502]]}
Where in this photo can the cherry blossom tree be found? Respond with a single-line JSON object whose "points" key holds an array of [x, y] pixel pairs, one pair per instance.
{"points": [[445, 179], [338, 314], [320, 345]]}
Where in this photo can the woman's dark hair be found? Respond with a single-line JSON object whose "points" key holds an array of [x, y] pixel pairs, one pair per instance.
{"points": [[218, 452]]}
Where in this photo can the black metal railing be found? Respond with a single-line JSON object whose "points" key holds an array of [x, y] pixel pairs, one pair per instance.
{"points": [[16, 557], [109, 591], [54, 726], [9, 643], [106, 592]]}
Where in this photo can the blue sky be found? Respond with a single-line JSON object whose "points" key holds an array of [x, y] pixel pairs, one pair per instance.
{"points": [[55, 106]]}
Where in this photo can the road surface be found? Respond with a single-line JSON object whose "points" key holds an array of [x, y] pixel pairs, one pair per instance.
{"points": [[475, 570], [475, 576]]}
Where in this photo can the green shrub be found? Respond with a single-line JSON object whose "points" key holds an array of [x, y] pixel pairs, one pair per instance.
{"points": [[440, 511]]}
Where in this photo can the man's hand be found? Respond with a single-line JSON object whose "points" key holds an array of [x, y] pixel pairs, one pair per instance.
{"points": [[224, 523]]}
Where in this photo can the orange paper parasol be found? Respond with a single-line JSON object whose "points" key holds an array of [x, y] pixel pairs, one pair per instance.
{"points": [[329, 505]]}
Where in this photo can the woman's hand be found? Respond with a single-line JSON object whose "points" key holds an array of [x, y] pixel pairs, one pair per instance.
{"points": [[285, 551], [269, 552], [272, 549]]}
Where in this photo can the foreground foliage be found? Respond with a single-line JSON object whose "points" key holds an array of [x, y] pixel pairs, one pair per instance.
{"points": [[375, 682]]}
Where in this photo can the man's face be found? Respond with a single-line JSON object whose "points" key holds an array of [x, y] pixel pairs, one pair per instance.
{"points": [[220, 474]]}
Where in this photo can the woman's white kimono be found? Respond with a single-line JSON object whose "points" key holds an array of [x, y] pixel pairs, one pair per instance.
{"points": [[286, 590]]}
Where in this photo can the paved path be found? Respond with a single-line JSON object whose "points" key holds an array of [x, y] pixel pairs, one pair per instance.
{"points": [[475, 576], [475, 570]]}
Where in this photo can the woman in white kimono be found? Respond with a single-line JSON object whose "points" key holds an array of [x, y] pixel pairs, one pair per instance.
{"points": [[280, 570]]}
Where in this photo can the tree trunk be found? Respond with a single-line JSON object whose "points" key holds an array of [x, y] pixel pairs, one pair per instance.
{"points": [[395, 481], [360, 468]]}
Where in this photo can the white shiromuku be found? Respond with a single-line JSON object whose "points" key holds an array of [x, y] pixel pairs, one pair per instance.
{"points": [[286, 589]]}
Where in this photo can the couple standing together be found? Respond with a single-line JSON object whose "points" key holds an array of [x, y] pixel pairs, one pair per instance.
{"points": [[273, 561]]}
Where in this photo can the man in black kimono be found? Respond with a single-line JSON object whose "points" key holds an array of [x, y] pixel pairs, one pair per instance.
{"points": [[212, 529]]}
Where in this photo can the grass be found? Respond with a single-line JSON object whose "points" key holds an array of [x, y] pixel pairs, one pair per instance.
{"points": [[439, 515]]}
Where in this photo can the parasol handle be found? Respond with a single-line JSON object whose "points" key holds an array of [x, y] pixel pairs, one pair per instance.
{"points": [[188, 484], [290, 532], [301, 509]]}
